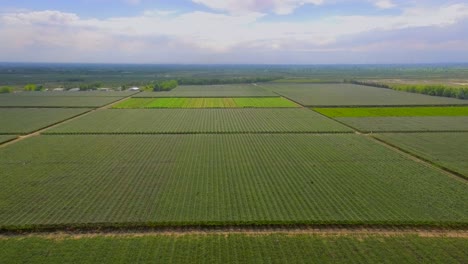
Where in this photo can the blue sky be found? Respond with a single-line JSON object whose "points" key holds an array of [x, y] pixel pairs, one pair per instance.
{"points": [[234, 31]]}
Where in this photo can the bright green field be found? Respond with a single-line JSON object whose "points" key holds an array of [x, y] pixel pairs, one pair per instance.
{"points": [[393, 111], [26, 120], [220, 179], [258, 102], [242, 120], [4, 138], [236, 248], [449, 150]]}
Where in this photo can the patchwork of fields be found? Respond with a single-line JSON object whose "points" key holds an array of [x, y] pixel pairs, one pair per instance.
{"points": [[241, 102], [26, 120], [321, 95], [177, 121], [200, 159]]}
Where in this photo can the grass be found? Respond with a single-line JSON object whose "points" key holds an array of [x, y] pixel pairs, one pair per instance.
{"points": [[323, 95], [237, 248], [408, 124], [26, 120], [257, 102], [448, 150], [154, 180], [393, 111], [248, 120]]}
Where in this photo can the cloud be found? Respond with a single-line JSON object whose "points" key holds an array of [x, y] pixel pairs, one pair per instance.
{"points": [[132, 2], [384, 4], [159, 36], [280, 7]]}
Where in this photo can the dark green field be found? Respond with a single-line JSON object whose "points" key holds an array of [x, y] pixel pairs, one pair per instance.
{"points": [[201, 121], [220, 180], [5, 138], [237, 90], [275, 248], [393, 111], [56, 101]]}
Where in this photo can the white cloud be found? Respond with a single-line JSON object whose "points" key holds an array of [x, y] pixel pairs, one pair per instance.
{"points": [[132, 2], [157, 34], [384, 4], [281, 7]]}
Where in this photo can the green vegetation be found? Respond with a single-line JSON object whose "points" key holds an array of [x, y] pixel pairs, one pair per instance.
{"points": [[408, 124], [235, 248], [199, 91], [55, 101], [26, 120], [448, 150], [254, 102], [393, 111], [429, 89], [5, 90], [161, 86], [5, 138], [323, 95], [154, 121], [33, 87], [246, 179]]}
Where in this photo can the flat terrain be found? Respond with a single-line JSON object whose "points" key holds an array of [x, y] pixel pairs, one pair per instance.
{"points": [[449, 150], [201, 121], [56, 101], [72, 94], [408, 124], [26, 120], [321, 95], [274, 248], [246, 102], [393, 111], [228, 90], [5, 138], [178, 180]]}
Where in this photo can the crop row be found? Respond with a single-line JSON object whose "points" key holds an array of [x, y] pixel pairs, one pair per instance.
{"points": [[408, 124], [321, 95], [449, 150], [257, 102], [244, 90], [26, 120], [69, 94], [221, 180], [55, 101], [237, 248], [5, 138], [393, 111], [200, 121]]}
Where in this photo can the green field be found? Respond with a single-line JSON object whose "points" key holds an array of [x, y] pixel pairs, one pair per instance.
{"points": [[56, 101], [408, 124], [449, 150], [393, 111], [253, 102], [5, 138], [322, 95], [178, 121], [26, 120], [244, 179], [235, 248], [229, 90]]}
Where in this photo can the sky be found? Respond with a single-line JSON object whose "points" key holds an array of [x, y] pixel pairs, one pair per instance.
{"points": [[234, 31]]}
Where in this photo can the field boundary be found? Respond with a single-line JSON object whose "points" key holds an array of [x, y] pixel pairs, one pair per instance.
{"points": [[200, 133], [464, 177], [39, 131]]}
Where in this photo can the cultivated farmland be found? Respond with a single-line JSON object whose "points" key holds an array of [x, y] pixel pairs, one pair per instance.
{"points": [[245, 90], [155, 121], [55, 101], [393, 111], [71, 94], [178, 180], [5, 138], [26, 120], [408, 124], [322, 95], [449, 150], [253, 102], [236, 248]]}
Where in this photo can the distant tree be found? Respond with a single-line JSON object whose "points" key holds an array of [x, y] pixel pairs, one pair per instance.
{"points": [[30, 87], [6, 89]]}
